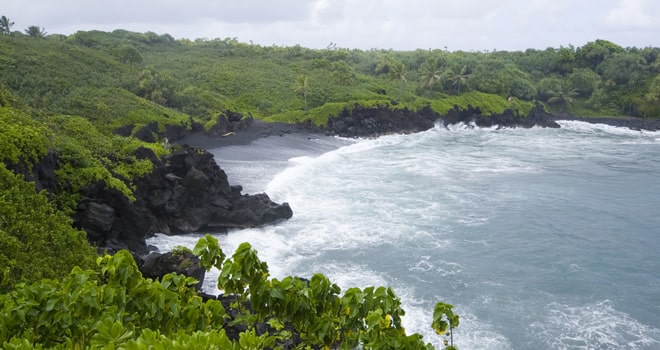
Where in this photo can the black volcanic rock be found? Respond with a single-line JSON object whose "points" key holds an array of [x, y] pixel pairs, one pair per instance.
{"points": [[186, 192], [230, 122], [185, 263], [380, 120], [507, 119]]}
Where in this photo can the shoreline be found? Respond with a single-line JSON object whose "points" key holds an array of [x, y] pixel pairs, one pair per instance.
{"points": [[258, 129], [632, 123], [313, 140]]}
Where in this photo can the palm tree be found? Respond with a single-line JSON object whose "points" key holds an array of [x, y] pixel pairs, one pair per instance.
{"points": [[35, 32], [302, 87], [398, 72], [459, 77], [563, 97], [430, 73], [5, 25]]}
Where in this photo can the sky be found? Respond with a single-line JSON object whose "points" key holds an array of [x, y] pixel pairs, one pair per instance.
{"points": [[468, 25]]}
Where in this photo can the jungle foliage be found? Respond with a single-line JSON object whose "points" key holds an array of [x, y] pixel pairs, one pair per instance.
{"points": [[125, 78], [113, 306], [70, 97]]}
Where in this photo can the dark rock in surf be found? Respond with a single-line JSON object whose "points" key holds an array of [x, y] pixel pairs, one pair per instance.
{"points": [[507, 119], [381, 120], [632, 123], [186, 192]]}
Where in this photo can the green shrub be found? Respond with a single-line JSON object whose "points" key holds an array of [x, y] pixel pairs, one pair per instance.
{"points": [[21, 138], [36, 241], [113, 306]]}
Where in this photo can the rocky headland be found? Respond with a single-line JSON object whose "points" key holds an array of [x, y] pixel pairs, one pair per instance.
{"points": [[187, 191]]}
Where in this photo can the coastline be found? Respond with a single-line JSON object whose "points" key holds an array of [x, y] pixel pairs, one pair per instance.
{"points": [[256, 130], [633, 123], [309, 140]]}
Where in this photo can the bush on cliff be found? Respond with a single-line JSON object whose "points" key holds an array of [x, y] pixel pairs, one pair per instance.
{"points": [[113, 306], [36, 240]]}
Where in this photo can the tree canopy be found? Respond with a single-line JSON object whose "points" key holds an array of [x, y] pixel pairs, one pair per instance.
{"points": [[5, 25]]}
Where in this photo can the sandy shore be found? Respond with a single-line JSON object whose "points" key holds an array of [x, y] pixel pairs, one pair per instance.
{"points": [[252, 157], [264, 141], [257, 130]]}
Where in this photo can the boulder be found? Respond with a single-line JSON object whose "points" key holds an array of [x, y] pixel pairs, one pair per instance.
{"points": [[182, 262], [229, 122]]}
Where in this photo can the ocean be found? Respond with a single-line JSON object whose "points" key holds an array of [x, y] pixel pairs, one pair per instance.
{"points": [[541, 238]]}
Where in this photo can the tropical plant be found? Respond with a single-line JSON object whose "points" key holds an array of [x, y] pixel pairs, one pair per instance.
{"points": [[430, 72], [563, 97], [399, 73], [156, 86], [342, 72], [458, 77], [5, 25], [36, 241], [35, 32], [302, 87], [114, 306]]}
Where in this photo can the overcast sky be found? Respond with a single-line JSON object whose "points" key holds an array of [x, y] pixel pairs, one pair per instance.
{"points": [[364, 24]]}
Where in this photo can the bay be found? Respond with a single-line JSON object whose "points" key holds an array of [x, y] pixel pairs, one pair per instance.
{"points": [[541, 238]]}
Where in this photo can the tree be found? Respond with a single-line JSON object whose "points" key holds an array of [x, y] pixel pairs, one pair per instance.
{"points": [[35, 32], [563, 97], [342, 72], [399, 73], [458, 77], [584, 80], [302, 87], [5, 25], [593, 53], [384, 64], [156, 87], [653, 94], [623, 68], [430, 73], [128, 54]]}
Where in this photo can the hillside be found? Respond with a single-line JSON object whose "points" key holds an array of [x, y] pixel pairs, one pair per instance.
{"points": [[86, 156]]}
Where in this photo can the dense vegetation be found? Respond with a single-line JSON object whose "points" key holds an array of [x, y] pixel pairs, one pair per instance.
{"points": [[113, 306], [125, 78], [69, 99]]}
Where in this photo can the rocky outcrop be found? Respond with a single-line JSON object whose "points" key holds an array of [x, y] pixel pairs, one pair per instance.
{"points": [[186, 192], [381, 120], [507, 119], [230, 122], [182, 262], [633, 123], [151, 133]]}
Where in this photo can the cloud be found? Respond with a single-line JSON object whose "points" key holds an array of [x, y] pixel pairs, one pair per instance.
{"points": [[630, 14], [365, 24]]}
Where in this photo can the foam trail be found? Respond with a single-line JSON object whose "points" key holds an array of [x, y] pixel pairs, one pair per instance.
{"points": [[593, 326]]}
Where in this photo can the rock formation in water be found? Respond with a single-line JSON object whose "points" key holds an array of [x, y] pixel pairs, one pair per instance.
{"points": [[382, 120], [186, 192]]}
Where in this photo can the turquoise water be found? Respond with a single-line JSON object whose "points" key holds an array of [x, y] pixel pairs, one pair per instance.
{"points": [[541, 238]]}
